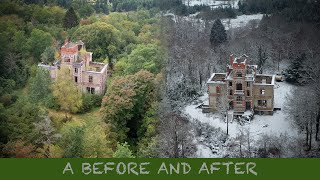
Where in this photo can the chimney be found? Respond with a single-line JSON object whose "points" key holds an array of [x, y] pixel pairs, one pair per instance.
{"points": [[66, 41], [231, 59]]}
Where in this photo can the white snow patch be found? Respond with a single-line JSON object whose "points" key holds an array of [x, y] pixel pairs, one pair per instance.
{"points": [[212, 3], [241, 21]]}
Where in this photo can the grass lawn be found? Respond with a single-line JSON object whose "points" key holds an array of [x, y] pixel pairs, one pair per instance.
{"points": [[58, 117]]}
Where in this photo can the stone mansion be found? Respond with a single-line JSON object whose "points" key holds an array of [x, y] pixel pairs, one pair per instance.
{"points": [[89, 76], [243, 89]]}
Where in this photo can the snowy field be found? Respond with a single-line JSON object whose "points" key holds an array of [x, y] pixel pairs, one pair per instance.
{"points": [[261, 124], [238, 22], [212, 3], [241, 21]]}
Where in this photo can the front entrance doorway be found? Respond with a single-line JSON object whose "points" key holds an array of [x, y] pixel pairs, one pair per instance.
{"points": [[248, 105]]}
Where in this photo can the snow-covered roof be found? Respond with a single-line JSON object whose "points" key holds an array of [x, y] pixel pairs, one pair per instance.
{"points": [[264, 79], [217, 78], [241, 60]]}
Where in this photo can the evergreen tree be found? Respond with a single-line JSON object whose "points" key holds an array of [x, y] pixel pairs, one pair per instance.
{"points": [[70, 19], [295, 71], [218, 33]]}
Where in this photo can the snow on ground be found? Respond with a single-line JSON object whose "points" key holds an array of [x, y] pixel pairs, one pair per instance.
{"points": [[261, 124], [238, 22], [241, 21], [212, 3]]}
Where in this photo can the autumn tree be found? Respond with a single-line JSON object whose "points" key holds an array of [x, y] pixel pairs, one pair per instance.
{"points": [[19, 149], [70, 19], [67, 95], [126, 102], [47, 136]]}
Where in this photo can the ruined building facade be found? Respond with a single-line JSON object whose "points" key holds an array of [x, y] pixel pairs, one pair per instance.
{"points": [[241, 89], [89, 76]]}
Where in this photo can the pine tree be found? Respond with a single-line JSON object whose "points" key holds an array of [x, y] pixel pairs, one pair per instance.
{"points": [[218, 33], [70, 19], [295, 70]]}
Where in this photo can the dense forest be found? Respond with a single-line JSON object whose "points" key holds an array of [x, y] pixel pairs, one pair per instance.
{"points": [[157, 64], [39, 120]]}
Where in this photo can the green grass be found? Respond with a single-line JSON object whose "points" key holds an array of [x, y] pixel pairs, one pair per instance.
{"points": [[58, 117]]}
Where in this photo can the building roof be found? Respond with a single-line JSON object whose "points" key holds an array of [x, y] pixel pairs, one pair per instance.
{"points": [[217, 78], [242, 59]]}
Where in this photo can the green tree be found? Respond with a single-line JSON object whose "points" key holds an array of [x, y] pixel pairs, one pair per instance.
{"points": [[148, 140], [39, 89], [38, 42], [72, 141], [86, 10], [71, 19], [97, 140], [126, 102], [218, 33], [100, 38], [66, 92], [22, 117], [147, 57], [123, 151], [48, 56]]}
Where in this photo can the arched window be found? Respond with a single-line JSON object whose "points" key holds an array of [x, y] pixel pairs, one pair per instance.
{"points": [[239, 86]]}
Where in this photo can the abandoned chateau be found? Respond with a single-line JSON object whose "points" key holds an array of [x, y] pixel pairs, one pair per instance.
{"points": [[241, 88], [89, 76]]}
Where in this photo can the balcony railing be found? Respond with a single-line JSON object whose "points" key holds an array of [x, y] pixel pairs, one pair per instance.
{"points": [[239, 92]]}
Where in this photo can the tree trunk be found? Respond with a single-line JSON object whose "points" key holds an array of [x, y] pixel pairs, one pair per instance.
{"points": [[310, 138], [227, 123], [249, 150], [307, 133], [317, 125], [176, 152], [240, 149]]}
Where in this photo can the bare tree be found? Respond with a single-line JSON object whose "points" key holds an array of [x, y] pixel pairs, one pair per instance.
{"points": [[223, 106], [176, 137], [303, 110]]}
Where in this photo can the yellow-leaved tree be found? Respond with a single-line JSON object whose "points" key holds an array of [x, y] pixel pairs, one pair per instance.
{"points": [[66, 93]]}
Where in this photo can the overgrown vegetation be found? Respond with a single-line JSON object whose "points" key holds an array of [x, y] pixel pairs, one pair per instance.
{"points": [[32, 106]]}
